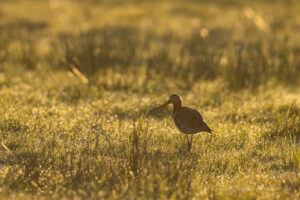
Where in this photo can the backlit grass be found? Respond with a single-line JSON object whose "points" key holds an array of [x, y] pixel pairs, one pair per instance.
{"points": [[77, 80]]}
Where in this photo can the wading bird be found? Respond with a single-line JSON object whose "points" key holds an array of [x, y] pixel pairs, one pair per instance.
{"points": [[187, 120]]}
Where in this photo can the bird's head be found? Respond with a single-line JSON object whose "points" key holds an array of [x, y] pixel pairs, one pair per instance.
{"points": [[174, 99]]}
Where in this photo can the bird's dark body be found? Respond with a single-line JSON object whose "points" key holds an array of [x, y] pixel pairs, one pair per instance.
{"points": [[189, 121]]}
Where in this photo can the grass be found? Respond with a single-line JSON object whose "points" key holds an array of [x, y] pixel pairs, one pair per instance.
{"points": [[77, 80]]}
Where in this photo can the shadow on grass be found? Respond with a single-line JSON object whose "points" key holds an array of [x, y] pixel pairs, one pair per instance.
{"points": [[18, 41], [125, 50], [246, 61], [242, 63], [23, 25]]}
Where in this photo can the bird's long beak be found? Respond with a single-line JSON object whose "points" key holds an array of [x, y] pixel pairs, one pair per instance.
{"points": [[159, 107]]}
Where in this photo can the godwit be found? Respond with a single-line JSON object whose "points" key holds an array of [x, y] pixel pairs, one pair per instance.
{"points": [[187, 120]]}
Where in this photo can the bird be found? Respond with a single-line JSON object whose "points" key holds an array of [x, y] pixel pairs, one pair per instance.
{"points": [[187, 120]]}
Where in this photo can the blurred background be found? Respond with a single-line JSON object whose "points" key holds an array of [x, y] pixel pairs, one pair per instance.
{"points": [[137, 44]]}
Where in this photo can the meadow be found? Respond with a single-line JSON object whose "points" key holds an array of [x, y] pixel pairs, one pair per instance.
{"points": [[77, 79]]}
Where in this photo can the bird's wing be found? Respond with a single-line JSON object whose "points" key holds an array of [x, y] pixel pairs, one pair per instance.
{"points": [[188, 120]]}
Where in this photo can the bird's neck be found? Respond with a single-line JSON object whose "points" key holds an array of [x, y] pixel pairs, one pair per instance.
{"points": [[176, 106]]}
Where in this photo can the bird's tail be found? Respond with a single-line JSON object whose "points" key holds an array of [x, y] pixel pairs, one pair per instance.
{"points": [[206, 128]]}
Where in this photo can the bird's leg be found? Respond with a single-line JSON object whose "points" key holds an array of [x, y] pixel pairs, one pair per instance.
{"points": [[189, 144], [187, 138], [191, 140]]}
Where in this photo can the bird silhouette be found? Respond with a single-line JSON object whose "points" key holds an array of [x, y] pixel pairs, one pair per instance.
{"points": [[187, 120]]}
